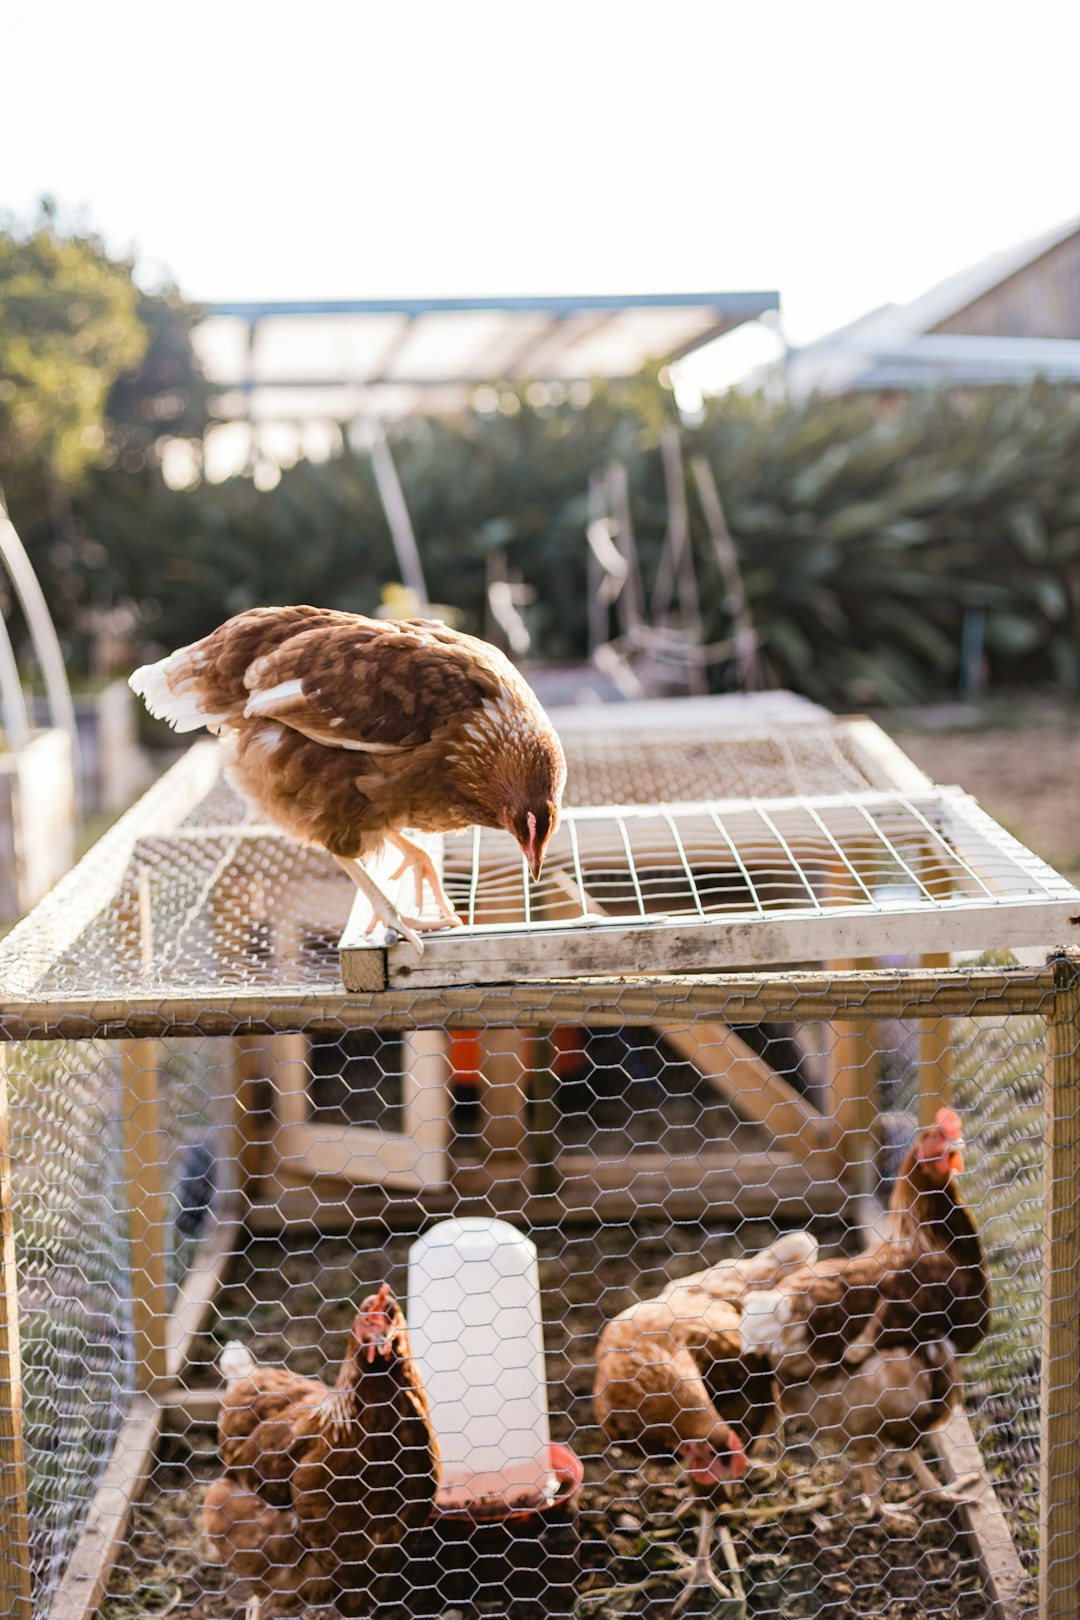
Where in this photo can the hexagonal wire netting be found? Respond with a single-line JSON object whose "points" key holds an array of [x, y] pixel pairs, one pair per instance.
{"points": [[693, 1329]]}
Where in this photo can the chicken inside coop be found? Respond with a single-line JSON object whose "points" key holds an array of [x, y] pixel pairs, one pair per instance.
{"points": [[864, 1348], [324, 1484]]}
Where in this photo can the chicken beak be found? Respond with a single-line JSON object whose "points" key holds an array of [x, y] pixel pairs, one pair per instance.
{"points": [[535, 858]]}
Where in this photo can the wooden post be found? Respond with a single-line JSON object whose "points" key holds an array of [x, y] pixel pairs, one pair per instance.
{"points": [[851, 1067], [935, 1053], [1059, 1469], [502, 1100], [425, 1082], [250, 1112], [14, 1536], [147, 1212], [544, 1141]]}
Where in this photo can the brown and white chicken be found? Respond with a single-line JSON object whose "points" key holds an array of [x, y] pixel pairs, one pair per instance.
{"points": [[345, 730], [322, 1486], [864, 1347]]}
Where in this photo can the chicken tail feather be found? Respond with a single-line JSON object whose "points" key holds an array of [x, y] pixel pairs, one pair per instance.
{"points": [[170, 690], [235, 1362]]}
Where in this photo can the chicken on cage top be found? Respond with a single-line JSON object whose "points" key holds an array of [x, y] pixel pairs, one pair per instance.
{"points": [[344, 730]]}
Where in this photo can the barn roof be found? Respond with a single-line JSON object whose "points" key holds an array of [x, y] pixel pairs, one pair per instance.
{"points": [[897, 345]]}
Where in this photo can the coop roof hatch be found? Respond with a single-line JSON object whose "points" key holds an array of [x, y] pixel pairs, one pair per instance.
{"points": [[831, 847], [738, 883]]}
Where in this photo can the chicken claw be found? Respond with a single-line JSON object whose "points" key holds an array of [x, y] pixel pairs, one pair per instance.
{"points": [[701, 1572], [384, 910], [932, 1490], [424, 871]]}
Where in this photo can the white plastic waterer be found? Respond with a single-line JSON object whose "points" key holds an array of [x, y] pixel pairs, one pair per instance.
{"points": [[477, 1335]]}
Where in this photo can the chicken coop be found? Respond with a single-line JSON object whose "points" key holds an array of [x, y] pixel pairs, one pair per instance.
{"points": [[761, 965]]}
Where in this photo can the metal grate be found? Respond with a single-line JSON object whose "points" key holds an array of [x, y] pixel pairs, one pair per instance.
{"points": [[746, 882]]}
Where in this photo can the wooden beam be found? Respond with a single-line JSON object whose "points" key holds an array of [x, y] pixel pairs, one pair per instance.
{"points": [[503, 1129], [1059, 1467], [728, 1185], [251, 1117], [194, 1303], [147, 1216], [191, 1408], [603, 1001], [15, 1597], [752, 1088], [1005, 1581], [499, 955], [83, 1583], [425, 1102], [935, 1052]]}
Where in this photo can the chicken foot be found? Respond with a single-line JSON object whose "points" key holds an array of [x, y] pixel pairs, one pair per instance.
{"points": [[930, 1487], [701, 1571], [384, 909], [253, 1611], [424, 871]]}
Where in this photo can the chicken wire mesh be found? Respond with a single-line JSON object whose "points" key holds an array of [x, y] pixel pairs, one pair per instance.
{"points": [[214, 1146]]}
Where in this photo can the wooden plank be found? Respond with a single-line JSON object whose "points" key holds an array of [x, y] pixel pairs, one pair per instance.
{"points": [[351, 1153], [935, 1052], [251, 1111], [14, 1524], [194, 1303], [850, 1054], [497, 955], [604, 1001], [1005, 1580], [190, 1408], [289, 1074], [503, 1128], [1059, 1469], [425, 1083], [897, 770], [752, 1088], [727, 1186], [147, 1218], [363, 955], [83, 1584]]}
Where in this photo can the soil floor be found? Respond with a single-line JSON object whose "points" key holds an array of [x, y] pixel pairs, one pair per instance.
{"points": [[807, 1544]]}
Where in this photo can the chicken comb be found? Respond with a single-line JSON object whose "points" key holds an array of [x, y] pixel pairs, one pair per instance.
{"points": [[948, 1123]]}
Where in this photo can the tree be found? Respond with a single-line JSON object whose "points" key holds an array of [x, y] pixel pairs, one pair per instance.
{"points": [[94, 373]]}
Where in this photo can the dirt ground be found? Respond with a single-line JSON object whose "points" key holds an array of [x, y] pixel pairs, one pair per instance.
{"points": [[1021, 763], [807, 1545]]}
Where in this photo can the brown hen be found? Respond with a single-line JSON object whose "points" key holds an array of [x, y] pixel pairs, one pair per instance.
{"points": [[863, 1346], [345, 730], [323, 1486]]}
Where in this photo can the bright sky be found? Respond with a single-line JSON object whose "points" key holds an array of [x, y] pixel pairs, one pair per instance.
{"points": [[845, 152]]}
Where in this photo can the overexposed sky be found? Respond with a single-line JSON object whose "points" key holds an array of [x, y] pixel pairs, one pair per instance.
{"points": [[846, 152]]}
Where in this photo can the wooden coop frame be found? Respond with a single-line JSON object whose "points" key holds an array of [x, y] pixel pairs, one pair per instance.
{"points": [[821, 1164]]}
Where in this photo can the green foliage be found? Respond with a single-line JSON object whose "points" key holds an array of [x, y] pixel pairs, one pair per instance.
{"points": [[94, 373], [865, 538], [69, 327]]}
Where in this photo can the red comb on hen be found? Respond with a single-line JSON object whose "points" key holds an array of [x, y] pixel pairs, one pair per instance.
{"points": [[948, 1123]]}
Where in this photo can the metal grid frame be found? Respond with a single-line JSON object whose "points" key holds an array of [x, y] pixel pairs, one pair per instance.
{"points": [[744, 882], [274, 1009]]}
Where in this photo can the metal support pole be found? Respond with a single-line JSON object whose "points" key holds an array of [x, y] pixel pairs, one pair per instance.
{"points": [[1059, 1466]]}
